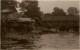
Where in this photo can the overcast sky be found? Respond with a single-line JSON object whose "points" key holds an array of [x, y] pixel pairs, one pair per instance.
{"points": [[48, 5]]}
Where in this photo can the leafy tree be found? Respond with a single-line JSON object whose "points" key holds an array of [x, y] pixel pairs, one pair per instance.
{"points": [[47, 14], [32, 9], [8, 4], [58, 12], [7, 7], [73, 11]]}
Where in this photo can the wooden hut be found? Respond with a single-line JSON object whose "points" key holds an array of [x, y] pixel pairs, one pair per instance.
{"points": [[62, 21]]}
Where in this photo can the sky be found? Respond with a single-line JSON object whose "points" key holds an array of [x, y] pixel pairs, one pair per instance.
{"points": [[48, 5]]}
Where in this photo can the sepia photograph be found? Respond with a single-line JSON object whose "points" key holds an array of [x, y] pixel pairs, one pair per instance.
{"points": [[40, 25]]}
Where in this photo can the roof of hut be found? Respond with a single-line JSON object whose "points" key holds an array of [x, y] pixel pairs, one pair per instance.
{"points": [[60, 18], [19, 18]]}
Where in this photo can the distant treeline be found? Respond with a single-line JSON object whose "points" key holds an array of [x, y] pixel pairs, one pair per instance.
{"points": [[71, 11]]}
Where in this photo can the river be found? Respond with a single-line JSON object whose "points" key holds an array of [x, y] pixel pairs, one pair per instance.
{"points": [[53, 42]]}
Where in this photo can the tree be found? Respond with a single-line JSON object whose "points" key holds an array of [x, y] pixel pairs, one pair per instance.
{"points": [[73, 11], [58, 12], [7, 7], [31, 7], [47, 14], [8, 4]]}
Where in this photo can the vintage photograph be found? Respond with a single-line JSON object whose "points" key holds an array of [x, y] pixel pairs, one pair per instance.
{"points": [[40, 24]]}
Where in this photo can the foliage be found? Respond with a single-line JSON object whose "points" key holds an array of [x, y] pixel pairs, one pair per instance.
{"points": [[73, 11], [58, 12], [47, 14], [8, 4], [31, 7]]}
